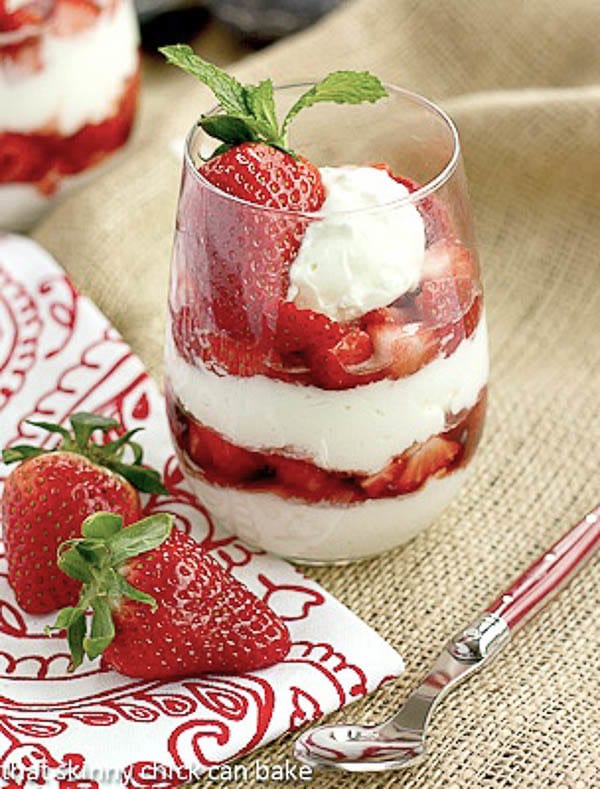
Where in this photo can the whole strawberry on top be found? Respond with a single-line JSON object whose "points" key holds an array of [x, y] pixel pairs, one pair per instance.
{"points": [[48, 495], [162, 607], [249, 252]]}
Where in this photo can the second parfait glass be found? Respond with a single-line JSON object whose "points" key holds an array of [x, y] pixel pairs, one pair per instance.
{"points": [[329, 428]]}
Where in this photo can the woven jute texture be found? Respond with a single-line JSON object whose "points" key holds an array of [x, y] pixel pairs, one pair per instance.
{"points": [[522, 82]]}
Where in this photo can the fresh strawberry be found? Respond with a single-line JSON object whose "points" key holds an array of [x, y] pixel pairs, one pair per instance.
{"points": [[163, 608], [49, 494], [261, 174], [212, 452], [250, 250]]}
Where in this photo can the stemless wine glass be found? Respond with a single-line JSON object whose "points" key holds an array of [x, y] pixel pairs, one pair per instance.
{"points": [[69, 74], [324, 440]]}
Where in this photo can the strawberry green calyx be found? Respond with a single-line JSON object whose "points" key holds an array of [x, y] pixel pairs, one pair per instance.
{"points": [[110, 455], [248, 111], [95, 560]]}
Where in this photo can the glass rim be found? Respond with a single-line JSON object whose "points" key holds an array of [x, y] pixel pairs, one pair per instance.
{"points": [[412, 198]]}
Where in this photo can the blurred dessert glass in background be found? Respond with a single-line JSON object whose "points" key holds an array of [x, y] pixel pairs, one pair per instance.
{"points": [[69, 74]]}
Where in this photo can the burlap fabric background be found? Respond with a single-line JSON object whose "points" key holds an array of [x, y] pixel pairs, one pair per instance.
{"points": [[521, 80]]}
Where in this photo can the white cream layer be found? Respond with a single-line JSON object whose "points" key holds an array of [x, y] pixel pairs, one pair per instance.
{"points": [[82, 77], [360, 255], [325, 532], [357, 429]]}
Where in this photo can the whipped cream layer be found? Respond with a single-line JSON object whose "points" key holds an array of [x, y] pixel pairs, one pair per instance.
{"points": [[363, 253], [359, 429], [322, 532], [81, 79]]}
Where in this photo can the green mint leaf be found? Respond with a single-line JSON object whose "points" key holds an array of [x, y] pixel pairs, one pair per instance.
{"points": [[101, 525], [228, 128], [261, 104], [227, 89], [341, 87], [102, 630], [21, 452], [84, 425], [140, 537], [148, 480]]}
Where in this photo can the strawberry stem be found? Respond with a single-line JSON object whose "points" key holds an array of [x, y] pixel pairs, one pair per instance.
{"points": [[96, 560], [109, 454]]}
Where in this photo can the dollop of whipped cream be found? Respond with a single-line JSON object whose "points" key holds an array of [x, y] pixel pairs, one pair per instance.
{"points": [[352, 261]]}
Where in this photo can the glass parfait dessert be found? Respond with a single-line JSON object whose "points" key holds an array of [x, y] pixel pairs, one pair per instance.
{"points": [[68, 90], [326, 351]]}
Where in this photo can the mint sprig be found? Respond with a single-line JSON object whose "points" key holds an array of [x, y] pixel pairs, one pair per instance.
{"points": [[96, 559], [249, 113], [110, 455]]}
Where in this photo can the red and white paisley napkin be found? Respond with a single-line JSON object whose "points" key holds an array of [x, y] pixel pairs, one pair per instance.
{"points": [[58, 354]]}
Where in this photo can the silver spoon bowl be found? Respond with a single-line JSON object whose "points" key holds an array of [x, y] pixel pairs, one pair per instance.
{"points": [[400, 741]]}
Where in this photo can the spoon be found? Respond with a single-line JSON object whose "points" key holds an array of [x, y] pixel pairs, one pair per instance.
{"points": [[400, 741]]}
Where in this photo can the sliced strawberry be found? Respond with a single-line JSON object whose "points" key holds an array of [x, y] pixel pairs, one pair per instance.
{"points": [[298, 329], [74, 16], [473, 315], [444, 301], [451, 335], [402, 350], [426, 460], [214, 453], [412, 469], [304, 479], [23, 58], [25, 158], [30, 14]]}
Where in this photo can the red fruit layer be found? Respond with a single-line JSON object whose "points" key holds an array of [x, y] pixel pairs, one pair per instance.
{"points": [[222, 463], [309, 348], [43, 158]]}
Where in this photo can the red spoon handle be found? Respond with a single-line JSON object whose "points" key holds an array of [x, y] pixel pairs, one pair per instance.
{"points": [[548, 574]]}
